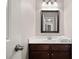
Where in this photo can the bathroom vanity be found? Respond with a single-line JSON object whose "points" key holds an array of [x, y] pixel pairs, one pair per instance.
{"points": [[50, 49], [49, 45]]}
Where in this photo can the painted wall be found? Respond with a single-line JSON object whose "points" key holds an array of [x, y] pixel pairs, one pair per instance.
{"points": [[28, 23], [68, 18], [38, 19]]}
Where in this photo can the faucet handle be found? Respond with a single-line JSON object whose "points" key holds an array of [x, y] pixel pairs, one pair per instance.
{"points": [[49, 37]]}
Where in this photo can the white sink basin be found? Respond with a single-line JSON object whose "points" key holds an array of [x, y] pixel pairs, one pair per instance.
{"points": [[49, 40]]}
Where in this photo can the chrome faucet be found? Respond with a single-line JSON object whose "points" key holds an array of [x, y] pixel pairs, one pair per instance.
{"points": [[49, 38]]}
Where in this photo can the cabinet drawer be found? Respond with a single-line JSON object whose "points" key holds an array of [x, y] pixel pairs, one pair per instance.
{"points": [[39, 47], [61, 47]]}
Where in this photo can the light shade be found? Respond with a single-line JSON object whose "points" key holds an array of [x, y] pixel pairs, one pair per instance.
{"points": [[44, 3], [49, 3], [55, 4]]}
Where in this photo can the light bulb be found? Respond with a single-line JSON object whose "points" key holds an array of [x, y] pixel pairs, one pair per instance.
{"points": [[44, 3], [49, 3], [55, 4]]}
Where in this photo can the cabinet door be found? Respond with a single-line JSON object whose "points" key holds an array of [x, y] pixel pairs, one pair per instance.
{"points": [[39, 55], [61, 51], [61, 55]]}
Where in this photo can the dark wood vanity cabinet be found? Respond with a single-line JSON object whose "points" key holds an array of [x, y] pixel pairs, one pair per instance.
{"points": [[50, 51]]}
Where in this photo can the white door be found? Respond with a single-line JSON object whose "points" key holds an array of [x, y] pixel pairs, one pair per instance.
{"points": [[14, 34], [20, 26]]}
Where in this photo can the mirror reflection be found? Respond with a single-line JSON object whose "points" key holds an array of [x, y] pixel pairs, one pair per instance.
{"points": [[50, 21]]}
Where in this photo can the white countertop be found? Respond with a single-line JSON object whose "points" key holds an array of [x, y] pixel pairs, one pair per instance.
{"points": [[50, 40]]}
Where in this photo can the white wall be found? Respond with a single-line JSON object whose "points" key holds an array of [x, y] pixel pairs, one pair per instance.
{"points": [[65, 18], [27, 23], [68, 18], [38, 19]]}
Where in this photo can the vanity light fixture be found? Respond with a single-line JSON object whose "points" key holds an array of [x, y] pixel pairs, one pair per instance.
{"points": [[49, 4]]}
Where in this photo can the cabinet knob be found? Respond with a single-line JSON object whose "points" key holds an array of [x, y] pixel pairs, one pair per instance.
{"points": [[67, 46], [48, 53], [52, 54]]}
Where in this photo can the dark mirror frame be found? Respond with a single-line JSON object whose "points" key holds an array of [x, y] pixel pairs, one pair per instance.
{"points": [[42, 22]]}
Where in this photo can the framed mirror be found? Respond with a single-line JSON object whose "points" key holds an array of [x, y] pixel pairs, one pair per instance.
{"points": [[49, 21]]}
